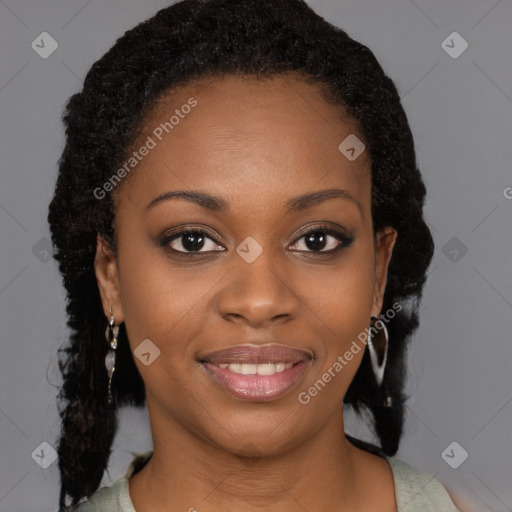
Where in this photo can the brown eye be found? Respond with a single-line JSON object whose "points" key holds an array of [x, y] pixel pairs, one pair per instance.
{"points": [[190, 241], [320, 238]]}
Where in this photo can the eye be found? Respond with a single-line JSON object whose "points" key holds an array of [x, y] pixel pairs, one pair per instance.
{"points": [[317, 240], [190, 241]]}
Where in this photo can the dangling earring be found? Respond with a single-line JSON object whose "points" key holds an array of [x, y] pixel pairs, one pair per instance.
{"points": [[111, 333], [378, 369]]}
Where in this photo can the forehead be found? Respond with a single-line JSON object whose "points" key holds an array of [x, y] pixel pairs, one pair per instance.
{"points": [[245, 136]]}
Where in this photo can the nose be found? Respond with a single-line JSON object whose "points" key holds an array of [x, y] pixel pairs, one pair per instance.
{"points": [[258, 293]]}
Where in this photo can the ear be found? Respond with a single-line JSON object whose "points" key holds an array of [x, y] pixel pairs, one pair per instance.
{"points": [[107, 277], [385, 241]]}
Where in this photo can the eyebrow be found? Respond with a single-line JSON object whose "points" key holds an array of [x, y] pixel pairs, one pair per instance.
{"points": [[217, 204]]}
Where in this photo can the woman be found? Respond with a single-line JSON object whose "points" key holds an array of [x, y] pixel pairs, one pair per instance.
{"points": [[238, 222]]}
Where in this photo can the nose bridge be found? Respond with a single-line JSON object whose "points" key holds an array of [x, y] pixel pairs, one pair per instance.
{"points": [[257, 289]]}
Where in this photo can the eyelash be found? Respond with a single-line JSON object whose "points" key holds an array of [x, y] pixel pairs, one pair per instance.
{"points": [[345, 240]]}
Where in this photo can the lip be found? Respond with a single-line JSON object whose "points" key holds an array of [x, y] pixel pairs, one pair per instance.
{"points": [[257, 388], [258, 354]]}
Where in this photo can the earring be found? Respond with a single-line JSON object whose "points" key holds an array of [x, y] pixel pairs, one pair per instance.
{"points": [[381, 340], [111, 333]]}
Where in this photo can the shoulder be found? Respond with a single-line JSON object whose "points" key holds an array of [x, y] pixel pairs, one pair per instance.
{"points": [[115, 498], [419, 491], [106, 499]]}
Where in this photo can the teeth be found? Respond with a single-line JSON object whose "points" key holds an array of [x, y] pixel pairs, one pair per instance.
{"points": [[253, 369]]}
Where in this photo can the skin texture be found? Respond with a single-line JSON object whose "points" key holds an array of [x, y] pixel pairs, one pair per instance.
{"points": [[255, 143]]}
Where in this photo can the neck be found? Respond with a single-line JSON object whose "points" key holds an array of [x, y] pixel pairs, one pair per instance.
{"points": [[188, 473]]}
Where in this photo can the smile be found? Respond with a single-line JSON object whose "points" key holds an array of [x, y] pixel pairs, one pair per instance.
{"points": [[256, 369], [257, 373], [254, 386]]}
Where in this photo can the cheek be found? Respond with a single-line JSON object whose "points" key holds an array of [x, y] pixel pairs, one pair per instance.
{"points": [[344, 305], [350, 296], [158, 299], [164, 305]]}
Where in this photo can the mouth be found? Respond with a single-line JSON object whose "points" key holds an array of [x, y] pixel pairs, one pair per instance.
{"points": [[257, 373]]}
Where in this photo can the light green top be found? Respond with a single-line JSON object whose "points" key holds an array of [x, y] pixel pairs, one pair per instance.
{"points": [[416, 491]]}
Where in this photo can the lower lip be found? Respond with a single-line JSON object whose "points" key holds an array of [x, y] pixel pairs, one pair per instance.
{"points": [[257, 388]]}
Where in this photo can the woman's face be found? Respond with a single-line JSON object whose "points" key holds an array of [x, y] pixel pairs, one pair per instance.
{"points": [[266, 155]]}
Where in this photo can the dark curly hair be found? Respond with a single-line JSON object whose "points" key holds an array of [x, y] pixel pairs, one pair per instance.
{"points": [[188, 40]]}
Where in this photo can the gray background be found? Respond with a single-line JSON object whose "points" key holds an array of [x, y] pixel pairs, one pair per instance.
{"points": [[460, 111]]}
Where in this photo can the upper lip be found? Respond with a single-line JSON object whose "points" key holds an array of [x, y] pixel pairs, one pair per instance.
{"points": [[258, 354]]}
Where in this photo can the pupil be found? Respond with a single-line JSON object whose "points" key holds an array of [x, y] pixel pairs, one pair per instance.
{"points": [[318, 244], [191, 244]]}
